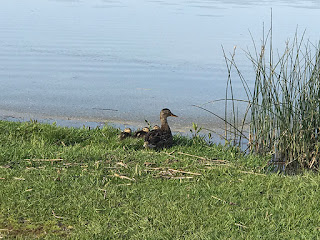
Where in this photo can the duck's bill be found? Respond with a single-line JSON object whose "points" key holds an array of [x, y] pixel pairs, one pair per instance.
{"points": [[172, 115]]}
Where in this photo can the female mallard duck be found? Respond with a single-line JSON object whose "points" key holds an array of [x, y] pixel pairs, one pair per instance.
{"points": [[160, 138], [125, 133], [141, 133]]}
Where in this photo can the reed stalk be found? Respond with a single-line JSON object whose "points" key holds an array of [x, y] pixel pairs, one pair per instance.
{"points": [[284, 103]]}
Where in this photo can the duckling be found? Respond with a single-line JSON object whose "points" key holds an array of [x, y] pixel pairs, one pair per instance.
{"points": [[125, 133], [155, 127], [162, 137], [141, 133]]}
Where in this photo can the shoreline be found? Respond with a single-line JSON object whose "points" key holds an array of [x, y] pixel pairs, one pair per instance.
{"points": [[181, 128]]}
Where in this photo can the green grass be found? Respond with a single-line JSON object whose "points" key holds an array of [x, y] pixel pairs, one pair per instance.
{"points": [[107, 189]]}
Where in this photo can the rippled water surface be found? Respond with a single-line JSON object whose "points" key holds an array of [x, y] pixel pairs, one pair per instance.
{"points": [[124, 61]]}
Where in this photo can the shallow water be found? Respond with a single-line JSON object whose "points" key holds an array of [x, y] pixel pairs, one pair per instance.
{"points": [[123, 61]]}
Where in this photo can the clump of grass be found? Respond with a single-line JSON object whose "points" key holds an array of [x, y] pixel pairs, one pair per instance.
{"points": [[284, 103]]}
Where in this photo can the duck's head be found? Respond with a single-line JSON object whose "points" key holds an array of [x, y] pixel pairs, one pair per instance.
{"points": [[156, 127], [166, 113], [127, 130], [145, 129]]}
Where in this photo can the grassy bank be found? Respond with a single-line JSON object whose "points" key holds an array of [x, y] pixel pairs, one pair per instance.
{"points": [[86, 184]]}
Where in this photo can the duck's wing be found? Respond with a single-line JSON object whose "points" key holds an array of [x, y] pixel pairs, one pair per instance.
{"points": [[158, 139], [152, 138]]}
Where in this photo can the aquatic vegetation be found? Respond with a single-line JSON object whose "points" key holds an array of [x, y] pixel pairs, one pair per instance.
{"points": [[283, 111]]}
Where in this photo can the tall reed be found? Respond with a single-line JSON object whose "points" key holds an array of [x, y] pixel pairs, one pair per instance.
{"points": [[283, 105]]}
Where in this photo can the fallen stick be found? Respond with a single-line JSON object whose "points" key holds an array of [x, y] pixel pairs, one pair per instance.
{"points": [[21, 179], [155, 169], [56, 215], [4, 230], [180, 171], [122, 164], [213, 166], [240, 225], [218, 199], [149, 164], [202, 158], [186, 177], [45, 160], [170, 154], [174, 170], [123, 177]]}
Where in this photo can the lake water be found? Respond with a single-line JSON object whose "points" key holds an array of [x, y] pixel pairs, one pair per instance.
{"points": [[123, 61]]}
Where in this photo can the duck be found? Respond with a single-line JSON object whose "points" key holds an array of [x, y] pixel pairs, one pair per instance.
{"points": [[160, 137], [141, 133], [125, 133], [155, 127]]}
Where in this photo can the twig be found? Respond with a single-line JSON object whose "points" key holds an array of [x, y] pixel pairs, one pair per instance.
{"points": [[186, 177], [218, 199], [149, 164], [169, 154], [174, 170], [202, 158], [180, 171], [45, 160], [56, 215], [240, 225], [123, 177], [122, 164], [1, 178], [155, 169], [21, 179]]}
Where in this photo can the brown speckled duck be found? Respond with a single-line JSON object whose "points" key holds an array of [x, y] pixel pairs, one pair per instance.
{"points": [[160, 138], [125, 133], [141, 133]]}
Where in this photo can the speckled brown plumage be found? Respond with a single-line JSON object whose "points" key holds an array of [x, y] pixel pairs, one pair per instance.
{"points": [[160, 138], [141, 133], [125, 133]]}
